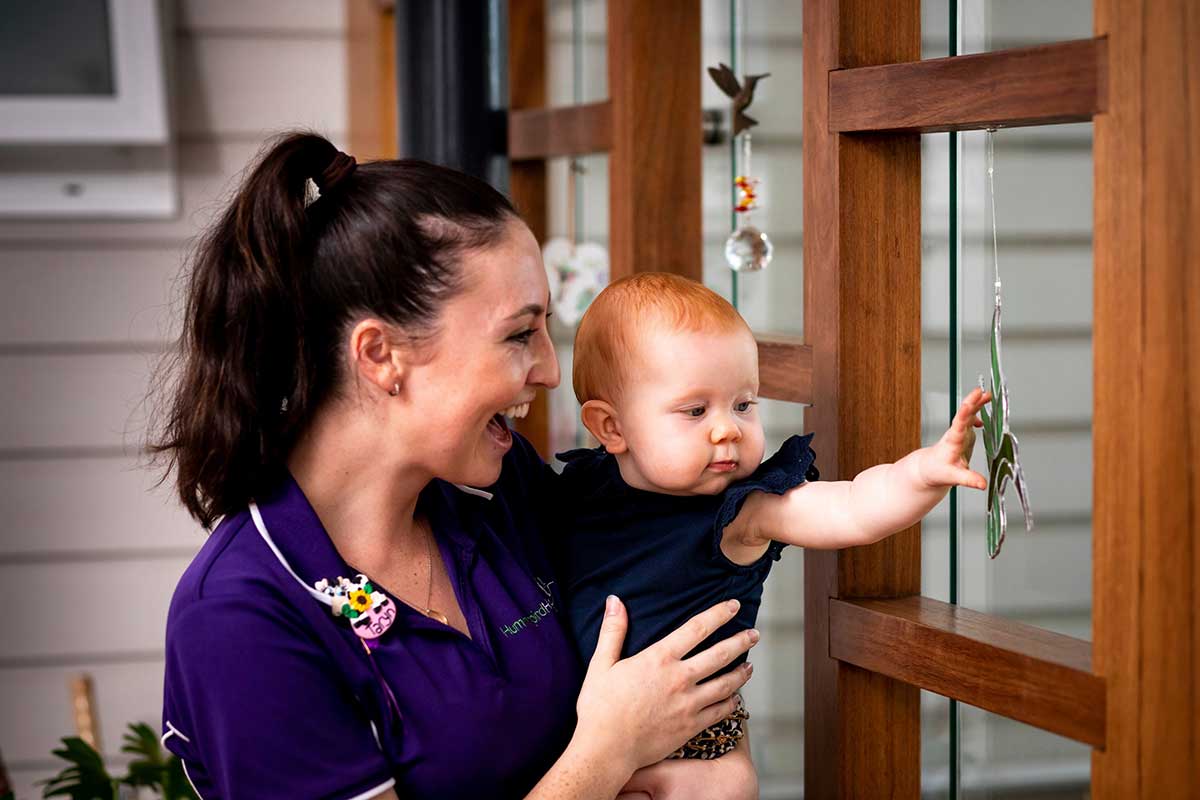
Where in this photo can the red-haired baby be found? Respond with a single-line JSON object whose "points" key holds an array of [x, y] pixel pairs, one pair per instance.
{"points": [[676, 510]]}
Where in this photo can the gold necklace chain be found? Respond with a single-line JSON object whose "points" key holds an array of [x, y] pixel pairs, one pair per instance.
{"points": [[427, 610]]}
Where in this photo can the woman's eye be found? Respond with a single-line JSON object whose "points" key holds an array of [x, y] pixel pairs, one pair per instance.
{"points": [[523, 337]]}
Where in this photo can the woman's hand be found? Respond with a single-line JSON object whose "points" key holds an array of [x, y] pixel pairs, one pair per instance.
{"points": [[730, 777], [640, 709]]}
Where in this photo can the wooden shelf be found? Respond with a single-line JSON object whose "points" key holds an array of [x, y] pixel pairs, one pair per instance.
{"points": [[1043, 85], [784, 369], [538, 133], [1009, 668]]}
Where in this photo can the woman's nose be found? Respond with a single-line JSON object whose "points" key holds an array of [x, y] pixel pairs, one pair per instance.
{"points": [[545, 371]]}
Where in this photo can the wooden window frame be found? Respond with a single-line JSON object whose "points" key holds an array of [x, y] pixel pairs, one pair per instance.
{"points": [[871, 640]]}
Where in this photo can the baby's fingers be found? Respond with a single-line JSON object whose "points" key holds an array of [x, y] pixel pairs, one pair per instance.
{"points": [[951, 475], [976, 400], [969, 478], [966, 417]]}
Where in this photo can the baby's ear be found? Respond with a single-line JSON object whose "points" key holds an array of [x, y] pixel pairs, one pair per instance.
{"points": [[601, 419]]}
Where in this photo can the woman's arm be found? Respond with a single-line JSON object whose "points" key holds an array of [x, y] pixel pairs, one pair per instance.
{"points": [[730, 777], [636, 711]]}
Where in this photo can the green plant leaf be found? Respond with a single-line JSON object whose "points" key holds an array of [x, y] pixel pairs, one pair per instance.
{"points": [[85, 779], [146, 770], [176, 785]]}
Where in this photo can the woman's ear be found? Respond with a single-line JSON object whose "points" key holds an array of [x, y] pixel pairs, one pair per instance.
{"points": [[601, 419], [377, 357]]}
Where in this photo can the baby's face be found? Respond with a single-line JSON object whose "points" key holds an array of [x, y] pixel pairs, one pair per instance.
{"points": [[689, 412]]}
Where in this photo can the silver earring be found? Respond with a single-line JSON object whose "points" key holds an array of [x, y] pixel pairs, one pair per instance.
{"points": [[395, 390]]}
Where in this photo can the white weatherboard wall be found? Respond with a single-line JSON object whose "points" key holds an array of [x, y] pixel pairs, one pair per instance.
{"points": [[89, 551]]}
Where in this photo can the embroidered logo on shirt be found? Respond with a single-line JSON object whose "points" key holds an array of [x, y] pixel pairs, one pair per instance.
{"points": [[535, 616]]}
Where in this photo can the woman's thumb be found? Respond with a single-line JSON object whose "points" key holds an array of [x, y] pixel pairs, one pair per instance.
{"points": [[612, 634]]}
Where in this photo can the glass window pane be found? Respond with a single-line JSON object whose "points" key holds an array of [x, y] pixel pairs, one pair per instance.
{"points": [[936, 399], [755, 38], [986, 25], [759, 37], [577, 51], [576, 189], [1043, 214], [1044, 225], [775, 696], [936, 530], [577, 204], [56, 47], [1007, 760]]}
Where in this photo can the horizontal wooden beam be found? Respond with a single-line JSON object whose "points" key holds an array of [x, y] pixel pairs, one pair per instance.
{"points": [[785, 366], [1025, 673], [565, 131], [1043, 85]]}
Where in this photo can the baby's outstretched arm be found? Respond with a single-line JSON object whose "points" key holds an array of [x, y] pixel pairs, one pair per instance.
{"points": [[879, 501]]}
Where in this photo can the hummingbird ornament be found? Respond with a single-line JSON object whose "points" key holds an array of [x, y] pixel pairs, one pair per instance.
{"points": [[747, 248], [741, 94]]}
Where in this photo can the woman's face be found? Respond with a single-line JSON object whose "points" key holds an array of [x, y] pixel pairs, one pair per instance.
{"points": [[489, 357]]}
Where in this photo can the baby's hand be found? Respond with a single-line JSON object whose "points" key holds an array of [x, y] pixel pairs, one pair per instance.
{"points": [[946, 463]]}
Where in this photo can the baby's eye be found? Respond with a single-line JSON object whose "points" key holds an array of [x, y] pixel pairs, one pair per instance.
{"points": [[698, 411], [743, 406]]}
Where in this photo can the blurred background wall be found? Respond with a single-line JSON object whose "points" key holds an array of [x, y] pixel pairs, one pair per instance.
{"points": [[89, 553]]}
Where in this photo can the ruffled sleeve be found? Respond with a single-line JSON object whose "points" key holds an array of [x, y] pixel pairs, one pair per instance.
{"points": [[791, 466]]}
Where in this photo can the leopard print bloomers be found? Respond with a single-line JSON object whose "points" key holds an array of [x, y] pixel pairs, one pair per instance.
{"points": [[716, 740]]}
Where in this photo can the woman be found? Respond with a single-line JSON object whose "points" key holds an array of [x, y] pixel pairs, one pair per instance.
{"points": [[346, 362]]}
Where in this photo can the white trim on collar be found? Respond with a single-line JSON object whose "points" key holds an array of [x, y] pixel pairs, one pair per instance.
{"points": [[378, 790], [474, 491], [320, 597]]}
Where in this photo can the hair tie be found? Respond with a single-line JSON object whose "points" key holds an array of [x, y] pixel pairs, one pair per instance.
{"points": [[338, 170]]}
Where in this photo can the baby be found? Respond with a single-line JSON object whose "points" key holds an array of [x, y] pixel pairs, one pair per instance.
{"points": [[676, 510]]}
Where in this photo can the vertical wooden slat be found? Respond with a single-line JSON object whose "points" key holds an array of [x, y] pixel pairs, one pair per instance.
{"points": [[862, 319], [527, 179], [822, 314], [83, 707], [371, 78], [1146, 428], [654, 76]]}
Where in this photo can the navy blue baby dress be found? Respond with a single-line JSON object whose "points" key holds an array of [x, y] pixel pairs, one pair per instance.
{"points": [[661, 554]]}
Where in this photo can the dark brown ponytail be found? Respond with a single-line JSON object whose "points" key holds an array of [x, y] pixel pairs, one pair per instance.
{"points": [[276, 283]]}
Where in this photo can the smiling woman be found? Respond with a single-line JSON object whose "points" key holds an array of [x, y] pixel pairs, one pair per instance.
{"points": [[355, 337]]}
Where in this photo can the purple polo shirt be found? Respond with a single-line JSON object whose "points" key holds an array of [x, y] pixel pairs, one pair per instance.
{"points": [[267, 694]]}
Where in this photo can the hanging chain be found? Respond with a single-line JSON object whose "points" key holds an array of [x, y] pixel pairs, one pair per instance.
{"points": [[991, 174]]}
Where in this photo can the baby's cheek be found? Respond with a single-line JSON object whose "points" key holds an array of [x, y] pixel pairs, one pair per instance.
{"points": [[678, 468]]}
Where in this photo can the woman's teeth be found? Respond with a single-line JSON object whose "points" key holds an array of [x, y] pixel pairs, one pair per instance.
{"points": [[517, 411]]}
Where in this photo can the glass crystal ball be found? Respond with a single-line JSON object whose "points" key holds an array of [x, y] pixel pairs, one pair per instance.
{"points": [[748, 249]]}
